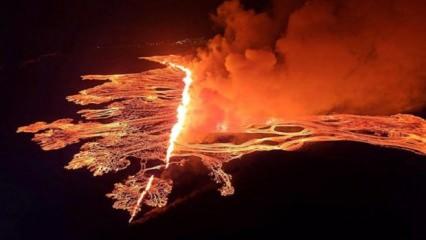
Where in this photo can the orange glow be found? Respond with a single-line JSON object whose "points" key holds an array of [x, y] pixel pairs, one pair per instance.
{"points": [[138, 203], [139, 121], [181, 111]]}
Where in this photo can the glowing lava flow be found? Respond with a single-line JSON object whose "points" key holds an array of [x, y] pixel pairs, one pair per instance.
{"points": [[175, 132], [138, 122], [181, 111], [136, 208]]}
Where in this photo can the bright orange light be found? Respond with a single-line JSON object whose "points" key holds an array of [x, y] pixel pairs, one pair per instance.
{"points": [[181, 111], [140, 122], [136, 208], [175, 132]]}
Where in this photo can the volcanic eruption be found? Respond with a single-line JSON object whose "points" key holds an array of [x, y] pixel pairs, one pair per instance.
{"points": [[273, 81]]}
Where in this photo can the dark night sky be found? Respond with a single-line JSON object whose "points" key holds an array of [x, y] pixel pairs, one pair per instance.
{"points": [[328, 190], [36, 27]]}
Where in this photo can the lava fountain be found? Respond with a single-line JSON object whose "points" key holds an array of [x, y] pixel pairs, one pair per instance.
{"points": [[176, 129], [181, 111], [140, 123]]}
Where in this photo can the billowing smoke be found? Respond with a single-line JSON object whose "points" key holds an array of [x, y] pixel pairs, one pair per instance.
{"points": [[313, 57]]}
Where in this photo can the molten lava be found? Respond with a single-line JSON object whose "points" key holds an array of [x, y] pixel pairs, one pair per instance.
{"points": [[181, 111], [176, 130], [138, 203], [140, 122]]}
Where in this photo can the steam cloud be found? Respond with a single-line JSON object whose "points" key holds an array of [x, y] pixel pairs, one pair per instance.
{"points": [[312, 57]]}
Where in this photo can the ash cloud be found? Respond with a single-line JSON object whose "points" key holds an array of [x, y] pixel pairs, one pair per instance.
{"points": [[310, 57]]}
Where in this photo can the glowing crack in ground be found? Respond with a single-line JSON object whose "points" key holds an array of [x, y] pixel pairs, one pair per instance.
{"points": [[181, 111]]}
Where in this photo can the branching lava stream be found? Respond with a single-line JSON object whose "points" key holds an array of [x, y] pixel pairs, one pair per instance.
{"points": [[140, 122]]}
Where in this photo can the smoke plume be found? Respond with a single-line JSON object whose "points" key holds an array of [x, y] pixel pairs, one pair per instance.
{"points": [[310, 57]]}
